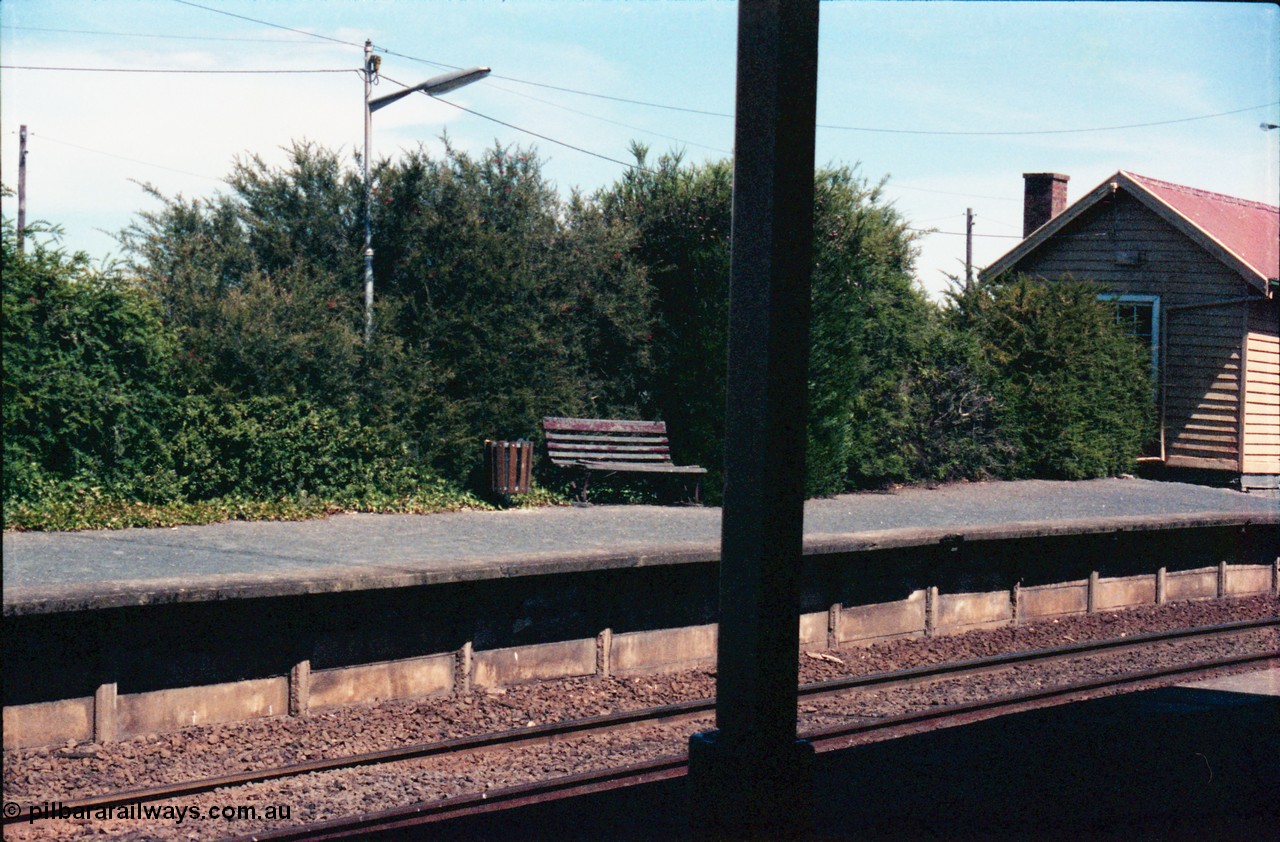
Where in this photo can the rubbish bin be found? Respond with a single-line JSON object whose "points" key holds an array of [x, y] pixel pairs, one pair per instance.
{"points": [[510, 465]]}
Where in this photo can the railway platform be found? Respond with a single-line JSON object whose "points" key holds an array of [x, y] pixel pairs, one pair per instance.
{"points": [[154, 630], [70, 571]]}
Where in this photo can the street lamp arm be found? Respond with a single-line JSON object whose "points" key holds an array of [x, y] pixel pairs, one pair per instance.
{"points": [[436, 85]]}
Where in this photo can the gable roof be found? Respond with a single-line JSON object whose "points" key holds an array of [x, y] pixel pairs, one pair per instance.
{"points": [[1242, 234]]}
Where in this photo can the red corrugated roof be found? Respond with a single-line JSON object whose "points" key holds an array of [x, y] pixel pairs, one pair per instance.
{"points": [[1250, 230]]}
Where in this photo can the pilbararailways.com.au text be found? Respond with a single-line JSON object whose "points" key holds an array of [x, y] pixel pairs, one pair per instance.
{"points": [[175, 813]]}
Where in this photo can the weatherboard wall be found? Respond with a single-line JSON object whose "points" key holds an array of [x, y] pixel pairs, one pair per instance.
{"points": [[1129, 250], [1262, 390]]}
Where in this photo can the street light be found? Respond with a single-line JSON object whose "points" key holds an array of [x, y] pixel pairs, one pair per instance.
{"points": [[436, 85]]}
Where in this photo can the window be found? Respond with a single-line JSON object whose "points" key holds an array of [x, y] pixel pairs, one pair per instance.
{"points": [[1139, 316]]}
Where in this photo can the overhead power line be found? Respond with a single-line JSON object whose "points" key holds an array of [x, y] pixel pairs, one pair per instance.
{"points": [[296, 41], [265, 71], [629, 164], [665, 106], [615, 98], [892, 186], [43, 136], [961, 234], [836, 127], [937, 132], [522, 129], [269, 23], [611, 122]]}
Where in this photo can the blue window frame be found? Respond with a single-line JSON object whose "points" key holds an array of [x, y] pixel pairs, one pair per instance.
{"points": [[1139, 316]]}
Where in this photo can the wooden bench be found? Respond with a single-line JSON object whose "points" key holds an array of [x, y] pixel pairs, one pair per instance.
{"points": [[613, 446]]}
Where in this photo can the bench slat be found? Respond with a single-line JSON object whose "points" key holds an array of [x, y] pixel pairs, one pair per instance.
{"points": [[572, 437], [610, 457], [629, 466], [609, 448], [603, 425]]}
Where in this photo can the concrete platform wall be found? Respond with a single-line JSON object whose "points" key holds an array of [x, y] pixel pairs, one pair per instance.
{"points": [[858, 615]]}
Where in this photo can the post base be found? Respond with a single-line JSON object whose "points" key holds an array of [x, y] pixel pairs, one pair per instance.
{"points": [[744, 792]]}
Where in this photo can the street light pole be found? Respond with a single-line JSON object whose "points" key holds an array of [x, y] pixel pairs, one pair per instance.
{"points": [[370, 68], [22, 187], [435, 85]]}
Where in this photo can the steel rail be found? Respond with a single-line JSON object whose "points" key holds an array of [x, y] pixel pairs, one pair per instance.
{"points": [[677, 712], [915, 675], [674, 766], [838, 736], [429, 812]]}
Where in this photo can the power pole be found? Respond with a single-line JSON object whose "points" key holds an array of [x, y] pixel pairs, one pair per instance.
{"points": [[968, 249], [22, 185]]}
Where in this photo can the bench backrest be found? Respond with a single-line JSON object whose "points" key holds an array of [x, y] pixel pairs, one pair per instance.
{"points": [[571, 440]]}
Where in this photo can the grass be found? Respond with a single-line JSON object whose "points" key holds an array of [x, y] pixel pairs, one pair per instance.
{"points": [[66, 507], [93, 509]]}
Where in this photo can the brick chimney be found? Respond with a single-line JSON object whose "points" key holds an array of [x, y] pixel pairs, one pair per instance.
{"points": [[1044, 197]]}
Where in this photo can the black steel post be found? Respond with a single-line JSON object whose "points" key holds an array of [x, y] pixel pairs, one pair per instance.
{"points": [[750, 778]]}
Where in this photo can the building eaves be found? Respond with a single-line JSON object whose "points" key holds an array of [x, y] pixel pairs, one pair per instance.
{"points": [[1149, 197]]}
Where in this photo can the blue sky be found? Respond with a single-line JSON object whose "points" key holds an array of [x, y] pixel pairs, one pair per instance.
{"points": [[894, 79]]}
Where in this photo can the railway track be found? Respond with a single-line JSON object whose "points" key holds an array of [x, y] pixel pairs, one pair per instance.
{"points": [[674, 766], [828, 738]]}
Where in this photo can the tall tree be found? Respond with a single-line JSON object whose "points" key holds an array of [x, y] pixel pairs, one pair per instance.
{"points": [[680, 215], [869, 319]]}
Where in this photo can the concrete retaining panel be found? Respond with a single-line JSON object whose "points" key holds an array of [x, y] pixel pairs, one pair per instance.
{"points": [[964, 611], [1124, 592], [406, 679], [665, 649], [498, 667], [1245, 579], [169, 710], [48, 723], [868, 623], [1191, 584], [1040, 601], [813, 629]]}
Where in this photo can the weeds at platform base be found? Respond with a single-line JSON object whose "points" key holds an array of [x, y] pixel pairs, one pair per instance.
{"points": [[91, 509]]}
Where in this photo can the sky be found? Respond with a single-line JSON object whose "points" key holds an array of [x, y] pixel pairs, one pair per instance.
{"points": [[950, 102]]}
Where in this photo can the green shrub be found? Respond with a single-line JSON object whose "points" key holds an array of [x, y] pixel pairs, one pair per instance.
{"points": [[1072, 391], [87, 376], [954, 429], [265, 447], [496, 303]]}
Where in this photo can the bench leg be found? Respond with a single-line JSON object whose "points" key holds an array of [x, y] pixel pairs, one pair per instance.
{"points": [[697, 494]]}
